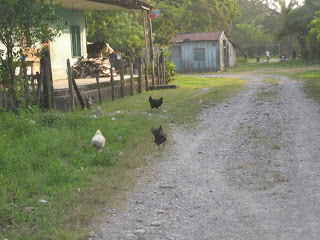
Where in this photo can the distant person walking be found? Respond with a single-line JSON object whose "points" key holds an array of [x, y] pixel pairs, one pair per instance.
{"points": [[246, 56], [267, 55], [294, 54]]}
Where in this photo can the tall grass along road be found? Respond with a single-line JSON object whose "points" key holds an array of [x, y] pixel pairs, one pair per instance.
{"points": [[249, 170]]}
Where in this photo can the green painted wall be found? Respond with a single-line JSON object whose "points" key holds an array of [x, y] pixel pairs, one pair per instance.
{"points": [[61, 48]]}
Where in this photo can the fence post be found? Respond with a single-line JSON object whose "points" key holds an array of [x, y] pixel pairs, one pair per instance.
{"points": [[163, 69], [159, 68], [146, 49], [4, 95], [38, 93], [25, 76], [70, 85], [140, 76], [112, 83], [146, 75], [47, 94], [131, 76], [78, 92], [98, 85], [151, 50], [122, 79]]}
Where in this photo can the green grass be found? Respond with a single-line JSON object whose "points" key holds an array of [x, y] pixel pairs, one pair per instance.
{"points": [[282, 68], [53, 183], [311, 83]]}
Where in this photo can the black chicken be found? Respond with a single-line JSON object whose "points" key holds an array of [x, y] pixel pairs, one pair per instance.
{"points": [[159, 136], [155, 103]]}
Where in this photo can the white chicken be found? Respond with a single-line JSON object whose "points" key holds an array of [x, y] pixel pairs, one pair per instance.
{"points": [[98, 112], [98, 140]]}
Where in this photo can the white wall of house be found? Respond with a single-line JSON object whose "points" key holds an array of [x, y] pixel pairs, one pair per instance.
{"points": [[61, 47], [232, 55]]}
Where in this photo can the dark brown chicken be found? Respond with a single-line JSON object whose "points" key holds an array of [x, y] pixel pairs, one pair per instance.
{"points": [[88, 102], [155, 103], [159, 136]]}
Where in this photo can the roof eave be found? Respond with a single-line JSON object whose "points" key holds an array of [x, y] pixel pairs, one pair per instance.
{"points": [[88, 5]]}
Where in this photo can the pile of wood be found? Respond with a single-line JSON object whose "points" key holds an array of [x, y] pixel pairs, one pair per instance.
{"points": [[88, 68]]}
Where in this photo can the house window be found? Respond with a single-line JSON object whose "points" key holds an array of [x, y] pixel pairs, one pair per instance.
{"points": [[199, 54], [75, 38]]}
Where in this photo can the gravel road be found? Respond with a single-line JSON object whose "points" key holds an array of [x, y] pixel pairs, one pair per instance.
{"points": [[250, 170]]}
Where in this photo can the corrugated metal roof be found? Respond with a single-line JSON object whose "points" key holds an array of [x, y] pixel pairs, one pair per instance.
{"points": [[202, 36], [87, 5]]}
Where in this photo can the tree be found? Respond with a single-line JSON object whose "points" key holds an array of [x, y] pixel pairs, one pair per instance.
{"points": [[193, 16], [251, 37], [295, 23], [118, 28], [313, 37], [315, 26], [24, 23]]}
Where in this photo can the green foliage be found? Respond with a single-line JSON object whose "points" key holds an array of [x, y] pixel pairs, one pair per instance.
{"points": [[250, 36], [315, 26], [25, 21], [241, 60], [192, 16], [311, 83], [169, 65], [295, 23], [118, 28]]}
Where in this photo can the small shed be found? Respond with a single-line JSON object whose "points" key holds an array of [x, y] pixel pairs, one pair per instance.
{"points": [[202, 52]]}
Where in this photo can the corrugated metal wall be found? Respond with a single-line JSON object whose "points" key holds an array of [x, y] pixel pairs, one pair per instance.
{"points": [[190, 64], [203, 56]]}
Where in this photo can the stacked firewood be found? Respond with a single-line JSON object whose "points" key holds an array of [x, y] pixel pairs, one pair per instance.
{"points": [[89, 68]]}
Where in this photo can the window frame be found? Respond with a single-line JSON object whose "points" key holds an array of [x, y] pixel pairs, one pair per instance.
{"points": [[196, 56], [76, 49]]}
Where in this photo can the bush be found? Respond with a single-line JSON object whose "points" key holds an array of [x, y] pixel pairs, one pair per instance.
{"points": [[241, 60]]}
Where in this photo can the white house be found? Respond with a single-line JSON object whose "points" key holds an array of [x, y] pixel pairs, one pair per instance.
{"points": [[72, 43]]}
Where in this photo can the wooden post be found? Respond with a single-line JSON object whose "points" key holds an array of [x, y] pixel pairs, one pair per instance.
{"points": [[163, 68], [4, 95], [122, 91], [146, 48], [78, 92], [151, 50], [38, 93], [131, 77], [70, 85], [140, 76], [98, 85], [46, 92], [112, 83], [50, 80], [26, 80], [159, 68], [32, 84]]}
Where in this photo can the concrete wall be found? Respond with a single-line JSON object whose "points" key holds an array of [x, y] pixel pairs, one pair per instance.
{"points": [[61, 47]]}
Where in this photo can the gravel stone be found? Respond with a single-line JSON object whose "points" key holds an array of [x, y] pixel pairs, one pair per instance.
{"points": [[258, 179]]}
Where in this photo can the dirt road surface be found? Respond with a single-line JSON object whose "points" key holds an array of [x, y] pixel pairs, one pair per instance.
{"points": [[250, 170]]}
